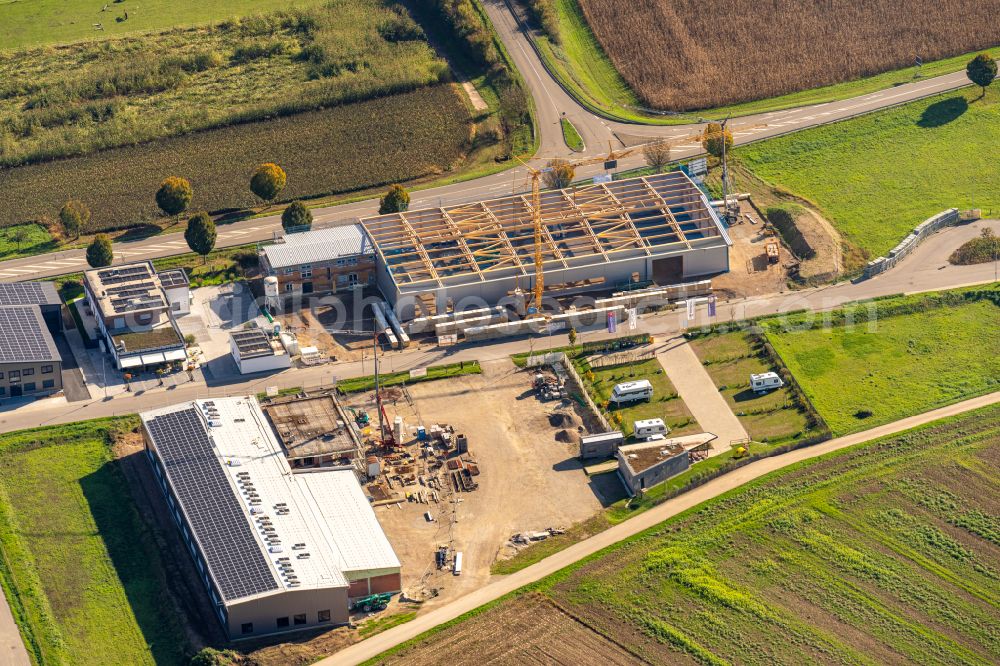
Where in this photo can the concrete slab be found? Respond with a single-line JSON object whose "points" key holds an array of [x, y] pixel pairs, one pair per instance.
{"points": [[699, 393]]}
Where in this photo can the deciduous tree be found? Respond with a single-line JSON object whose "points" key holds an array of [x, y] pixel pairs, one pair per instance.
{"points": [[174, 196], [74, 217], [99, 252], [296, 217], [200, 234], [267, 181], [714, 138], [657, 153], [396, 200], [981, 70], [559, 173]]}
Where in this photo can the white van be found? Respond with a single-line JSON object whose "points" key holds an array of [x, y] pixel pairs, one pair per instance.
{"points": [[646, 428], [457, 569], [764, 382], [631, 392]]}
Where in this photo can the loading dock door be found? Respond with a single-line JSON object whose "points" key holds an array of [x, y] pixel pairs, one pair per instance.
{"points": [[668, 271]]}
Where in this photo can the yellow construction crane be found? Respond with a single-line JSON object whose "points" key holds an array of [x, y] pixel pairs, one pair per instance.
{"points": [[536, 201]]}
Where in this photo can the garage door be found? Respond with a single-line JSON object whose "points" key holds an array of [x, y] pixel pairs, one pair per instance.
{"points": [[668, 271]]}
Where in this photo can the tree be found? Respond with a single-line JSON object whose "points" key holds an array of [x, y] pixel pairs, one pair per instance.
{"points": [[174, 196], [559, 173], [296, 216], [200, 234], [267, 181], [981, 70], [572, 337], [74, 216], [657, 154], [100, 252], [713, 139], [396, 200], [18, 234]]}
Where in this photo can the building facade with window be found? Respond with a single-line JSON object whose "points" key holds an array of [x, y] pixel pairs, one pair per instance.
{"points": [[134, 307], [30, 364], [324, 261], [276, 551]]}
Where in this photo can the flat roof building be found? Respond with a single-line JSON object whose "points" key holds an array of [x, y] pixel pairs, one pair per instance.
{"points": [[597, 236], [313, 431], [254, 351], [30, 363], [135, 313], [277, 551]]}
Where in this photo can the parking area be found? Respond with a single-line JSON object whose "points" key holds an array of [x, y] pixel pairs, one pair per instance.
{"points": [[216, 312]]}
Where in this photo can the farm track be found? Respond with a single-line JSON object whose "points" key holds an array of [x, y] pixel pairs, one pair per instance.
{"points": [[373, 647]]}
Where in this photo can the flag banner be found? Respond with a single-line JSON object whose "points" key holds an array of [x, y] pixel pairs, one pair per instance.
{"points": [[633, 319], [711, 306], [690, 310], [612, 323]]}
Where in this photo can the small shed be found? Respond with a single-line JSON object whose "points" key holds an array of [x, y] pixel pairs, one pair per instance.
{"points": [[254, 351], [642, 466], [601, 445]]}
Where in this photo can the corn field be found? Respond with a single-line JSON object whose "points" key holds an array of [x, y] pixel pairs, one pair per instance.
{"points": [[694, 54]]}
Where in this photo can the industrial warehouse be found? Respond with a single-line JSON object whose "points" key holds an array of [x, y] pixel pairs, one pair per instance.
{"points": [[651, 229], [277, 551]]}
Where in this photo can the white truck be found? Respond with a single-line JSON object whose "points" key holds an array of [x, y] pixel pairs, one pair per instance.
{"points": [[647, 428], [631, 392], [766, 381]]}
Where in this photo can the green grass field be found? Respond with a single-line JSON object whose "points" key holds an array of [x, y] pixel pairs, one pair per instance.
{"points": [[81, 573], [878, 176], [24, 240], [26, 23], [773, 417], [871, 373], [887, 552], [665, 404], [571, 137], [581, 65]]}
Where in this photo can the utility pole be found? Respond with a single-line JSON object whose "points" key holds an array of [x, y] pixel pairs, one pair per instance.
{"points": [[725, 174]]}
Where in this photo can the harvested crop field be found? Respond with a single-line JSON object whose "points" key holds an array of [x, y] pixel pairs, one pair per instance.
{"points": [[885, 552], [688, 54], [350, 147], [532, 631]]}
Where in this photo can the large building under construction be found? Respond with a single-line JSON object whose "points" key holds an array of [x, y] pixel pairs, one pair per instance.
{"points": [[655, 228]]}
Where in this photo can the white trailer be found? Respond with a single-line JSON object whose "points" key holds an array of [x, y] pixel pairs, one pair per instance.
{"points": [[647, 428], [766, 381], [631, 392], [457, 569]]}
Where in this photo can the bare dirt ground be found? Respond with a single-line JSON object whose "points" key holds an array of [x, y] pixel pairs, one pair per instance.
{"points": [[824, 240], [750, 274], [529, 481], [520, 632]]}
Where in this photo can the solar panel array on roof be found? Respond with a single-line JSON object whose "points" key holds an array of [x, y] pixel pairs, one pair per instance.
{"points": [[175, 278], [252, 342], [24, 337], [28, 293], [220, 525], [112, 276]]}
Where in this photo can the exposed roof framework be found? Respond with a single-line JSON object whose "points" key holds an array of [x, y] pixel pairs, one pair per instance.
{"points": [[650, 215]]}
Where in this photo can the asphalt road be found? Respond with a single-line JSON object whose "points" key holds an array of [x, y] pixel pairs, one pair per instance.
{"points": [[551, 102], [376, 645]]}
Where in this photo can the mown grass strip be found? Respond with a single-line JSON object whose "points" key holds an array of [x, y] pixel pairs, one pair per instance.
{"points": [[356, 384]]}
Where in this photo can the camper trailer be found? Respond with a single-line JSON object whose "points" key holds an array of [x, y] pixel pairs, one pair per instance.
{"points": [[647, 428], [631, 392], [764, 382]]}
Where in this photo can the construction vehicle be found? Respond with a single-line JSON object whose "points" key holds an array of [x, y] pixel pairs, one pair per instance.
{"points": [[373, 602], [361, 417]]}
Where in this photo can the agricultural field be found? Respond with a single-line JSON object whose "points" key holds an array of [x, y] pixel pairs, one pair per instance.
{"points": [[82, 575], [37, 22], [907, 356], [683, 55], [877, 176], [421, 133], [774, 417], [665, 404], [885, 552]]}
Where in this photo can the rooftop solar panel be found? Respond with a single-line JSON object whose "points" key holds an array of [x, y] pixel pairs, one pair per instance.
{"points": [[213, 512], [28, 293], [252, 342], [24, 337], [112, 276]]}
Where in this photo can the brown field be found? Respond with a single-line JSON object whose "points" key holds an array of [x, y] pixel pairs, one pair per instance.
{"points": [[346, 148], [688, 54], [532, 631]]}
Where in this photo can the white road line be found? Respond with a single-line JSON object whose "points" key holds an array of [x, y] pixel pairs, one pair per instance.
{"points": [[16, 271]]}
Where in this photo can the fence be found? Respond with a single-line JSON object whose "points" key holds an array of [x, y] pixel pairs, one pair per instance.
{"points": [[922, 231], [576, 384]]}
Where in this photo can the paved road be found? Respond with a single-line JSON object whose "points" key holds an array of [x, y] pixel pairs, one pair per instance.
{"points": [[551, 102], [378, 644]]}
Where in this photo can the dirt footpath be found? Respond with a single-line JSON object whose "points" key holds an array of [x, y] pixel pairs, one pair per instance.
{"points": [[528, 480]]}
